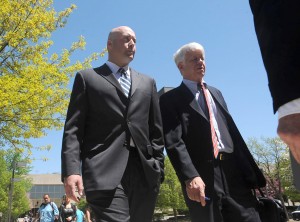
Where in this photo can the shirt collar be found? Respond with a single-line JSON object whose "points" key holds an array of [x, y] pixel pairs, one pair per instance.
{"points": [[114, 68], [192, 85]]}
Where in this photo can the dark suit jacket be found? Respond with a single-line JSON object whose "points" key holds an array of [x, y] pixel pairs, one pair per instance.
{"points": [[277, 26], [100, 118], [188, 138]]}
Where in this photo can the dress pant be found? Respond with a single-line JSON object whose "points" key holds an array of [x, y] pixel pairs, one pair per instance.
{"points": [[132, 200], [232, 200]]}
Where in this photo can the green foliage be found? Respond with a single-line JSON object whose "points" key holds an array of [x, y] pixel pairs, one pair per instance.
{"points": [[272, 156], [82, 204], [170, 194], [20, 202], [33, 83], [289, 189], [5, 176], [33, 86]]}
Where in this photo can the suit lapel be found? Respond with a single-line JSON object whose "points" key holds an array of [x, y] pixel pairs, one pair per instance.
{"points": [[107, 74], [135, 80], [192, 100], [217, 98]]}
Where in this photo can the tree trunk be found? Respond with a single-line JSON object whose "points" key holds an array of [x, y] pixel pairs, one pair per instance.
{"points": [[175, 214]]}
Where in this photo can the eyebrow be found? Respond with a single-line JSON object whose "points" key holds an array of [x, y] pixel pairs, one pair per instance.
{"points": [[128, 35]]}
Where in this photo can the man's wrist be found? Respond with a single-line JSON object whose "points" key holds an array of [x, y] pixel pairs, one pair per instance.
{"points": [[289, 108], [188, 181]]}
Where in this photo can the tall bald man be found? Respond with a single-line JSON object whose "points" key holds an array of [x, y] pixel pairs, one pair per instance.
{"points": [[112, 142]]}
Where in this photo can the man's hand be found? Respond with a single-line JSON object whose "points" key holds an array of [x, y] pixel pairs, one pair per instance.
{"points": [[289, 131], [71, 183], [195, 189]]}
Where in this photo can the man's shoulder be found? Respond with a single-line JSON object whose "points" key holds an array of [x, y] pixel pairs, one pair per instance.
{"points": [[173, 92], [103, 69], [99, 69], [140, 74], [214, 90], [53, 204], [212, 87]]}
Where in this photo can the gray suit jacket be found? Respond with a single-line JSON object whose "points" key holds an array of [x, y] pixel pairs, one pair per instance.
{"points": [[100, 118]]}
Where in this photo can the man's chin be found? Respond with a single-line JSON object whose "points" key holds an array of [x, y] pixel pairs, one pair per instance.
{"points": [[130, 58]]}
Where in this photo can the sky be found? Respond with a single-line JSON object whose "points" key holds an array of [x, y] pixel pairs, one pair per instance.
{"points": [[225, 29]]}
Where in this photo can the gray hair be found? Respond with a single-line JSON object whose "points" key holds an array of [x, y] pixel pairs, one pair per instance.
{"points": [[180, 53]]}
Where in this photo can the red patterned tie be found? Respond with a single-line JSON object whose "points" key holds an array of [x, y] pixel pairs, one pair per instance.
{"points": [[211, 116]]}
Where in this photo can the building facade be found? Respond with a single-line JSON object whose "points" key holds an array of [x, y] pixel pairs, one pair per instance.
{"points": [[45, 184]]}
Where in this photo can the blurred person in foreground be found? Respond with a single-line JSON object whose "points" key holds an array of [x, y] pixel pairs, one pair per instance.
{"points": [[277, 26], [113, 136], [210, 157]]}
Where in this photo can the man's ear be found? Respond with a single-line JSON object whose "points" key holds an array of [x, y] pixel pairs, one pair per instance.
{"points": [[180, 66], [109, 44]]}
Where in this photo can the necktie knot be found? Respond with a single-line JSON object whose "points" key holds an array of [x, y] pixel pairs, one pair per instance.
{"points": [[123, 72], [201, 85]]}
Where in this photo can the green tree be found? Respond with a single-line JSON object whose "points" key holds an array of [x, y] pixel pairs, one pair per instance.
{"points": [[82, 204], [272, 156], [170, 195], [33, 83], [289, 189], [5, 176], [21, 184]]}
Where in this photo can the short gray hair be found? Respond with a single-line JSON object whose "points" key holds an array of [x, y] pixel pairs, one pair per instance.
{"points": [[180, 53]]}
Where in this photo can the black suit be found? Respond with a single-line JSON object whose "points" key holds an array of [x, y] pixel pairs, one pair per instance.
{"points": [[188, 140], [277, 25], [100, 122]]}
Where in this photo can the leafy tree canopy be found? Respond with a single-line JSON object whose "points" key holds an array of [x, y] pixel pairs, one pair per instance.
{"points": [[272, 156], [33, 83], [9, 164]]}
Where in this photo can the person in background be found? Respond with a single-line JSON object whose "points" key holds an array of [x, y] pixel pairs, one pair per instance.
{"points": [[48, 211], [113, 136], [89, 214], [79, 215], [67, 210], [209, 155]]}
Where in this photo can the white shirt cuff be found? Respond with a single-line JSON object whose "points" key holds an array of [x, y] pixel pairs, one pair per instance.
{"points": [[289, 108]]}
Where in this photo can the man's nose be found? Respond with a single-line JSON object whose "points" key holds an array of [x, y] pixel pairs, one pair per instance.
{"points": [[200, 61], [131, 43]]}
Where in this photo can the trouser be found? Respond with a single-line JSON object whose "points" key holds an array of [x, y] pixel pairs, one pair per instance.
{"points": [[132, 200], [232, 200]]}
